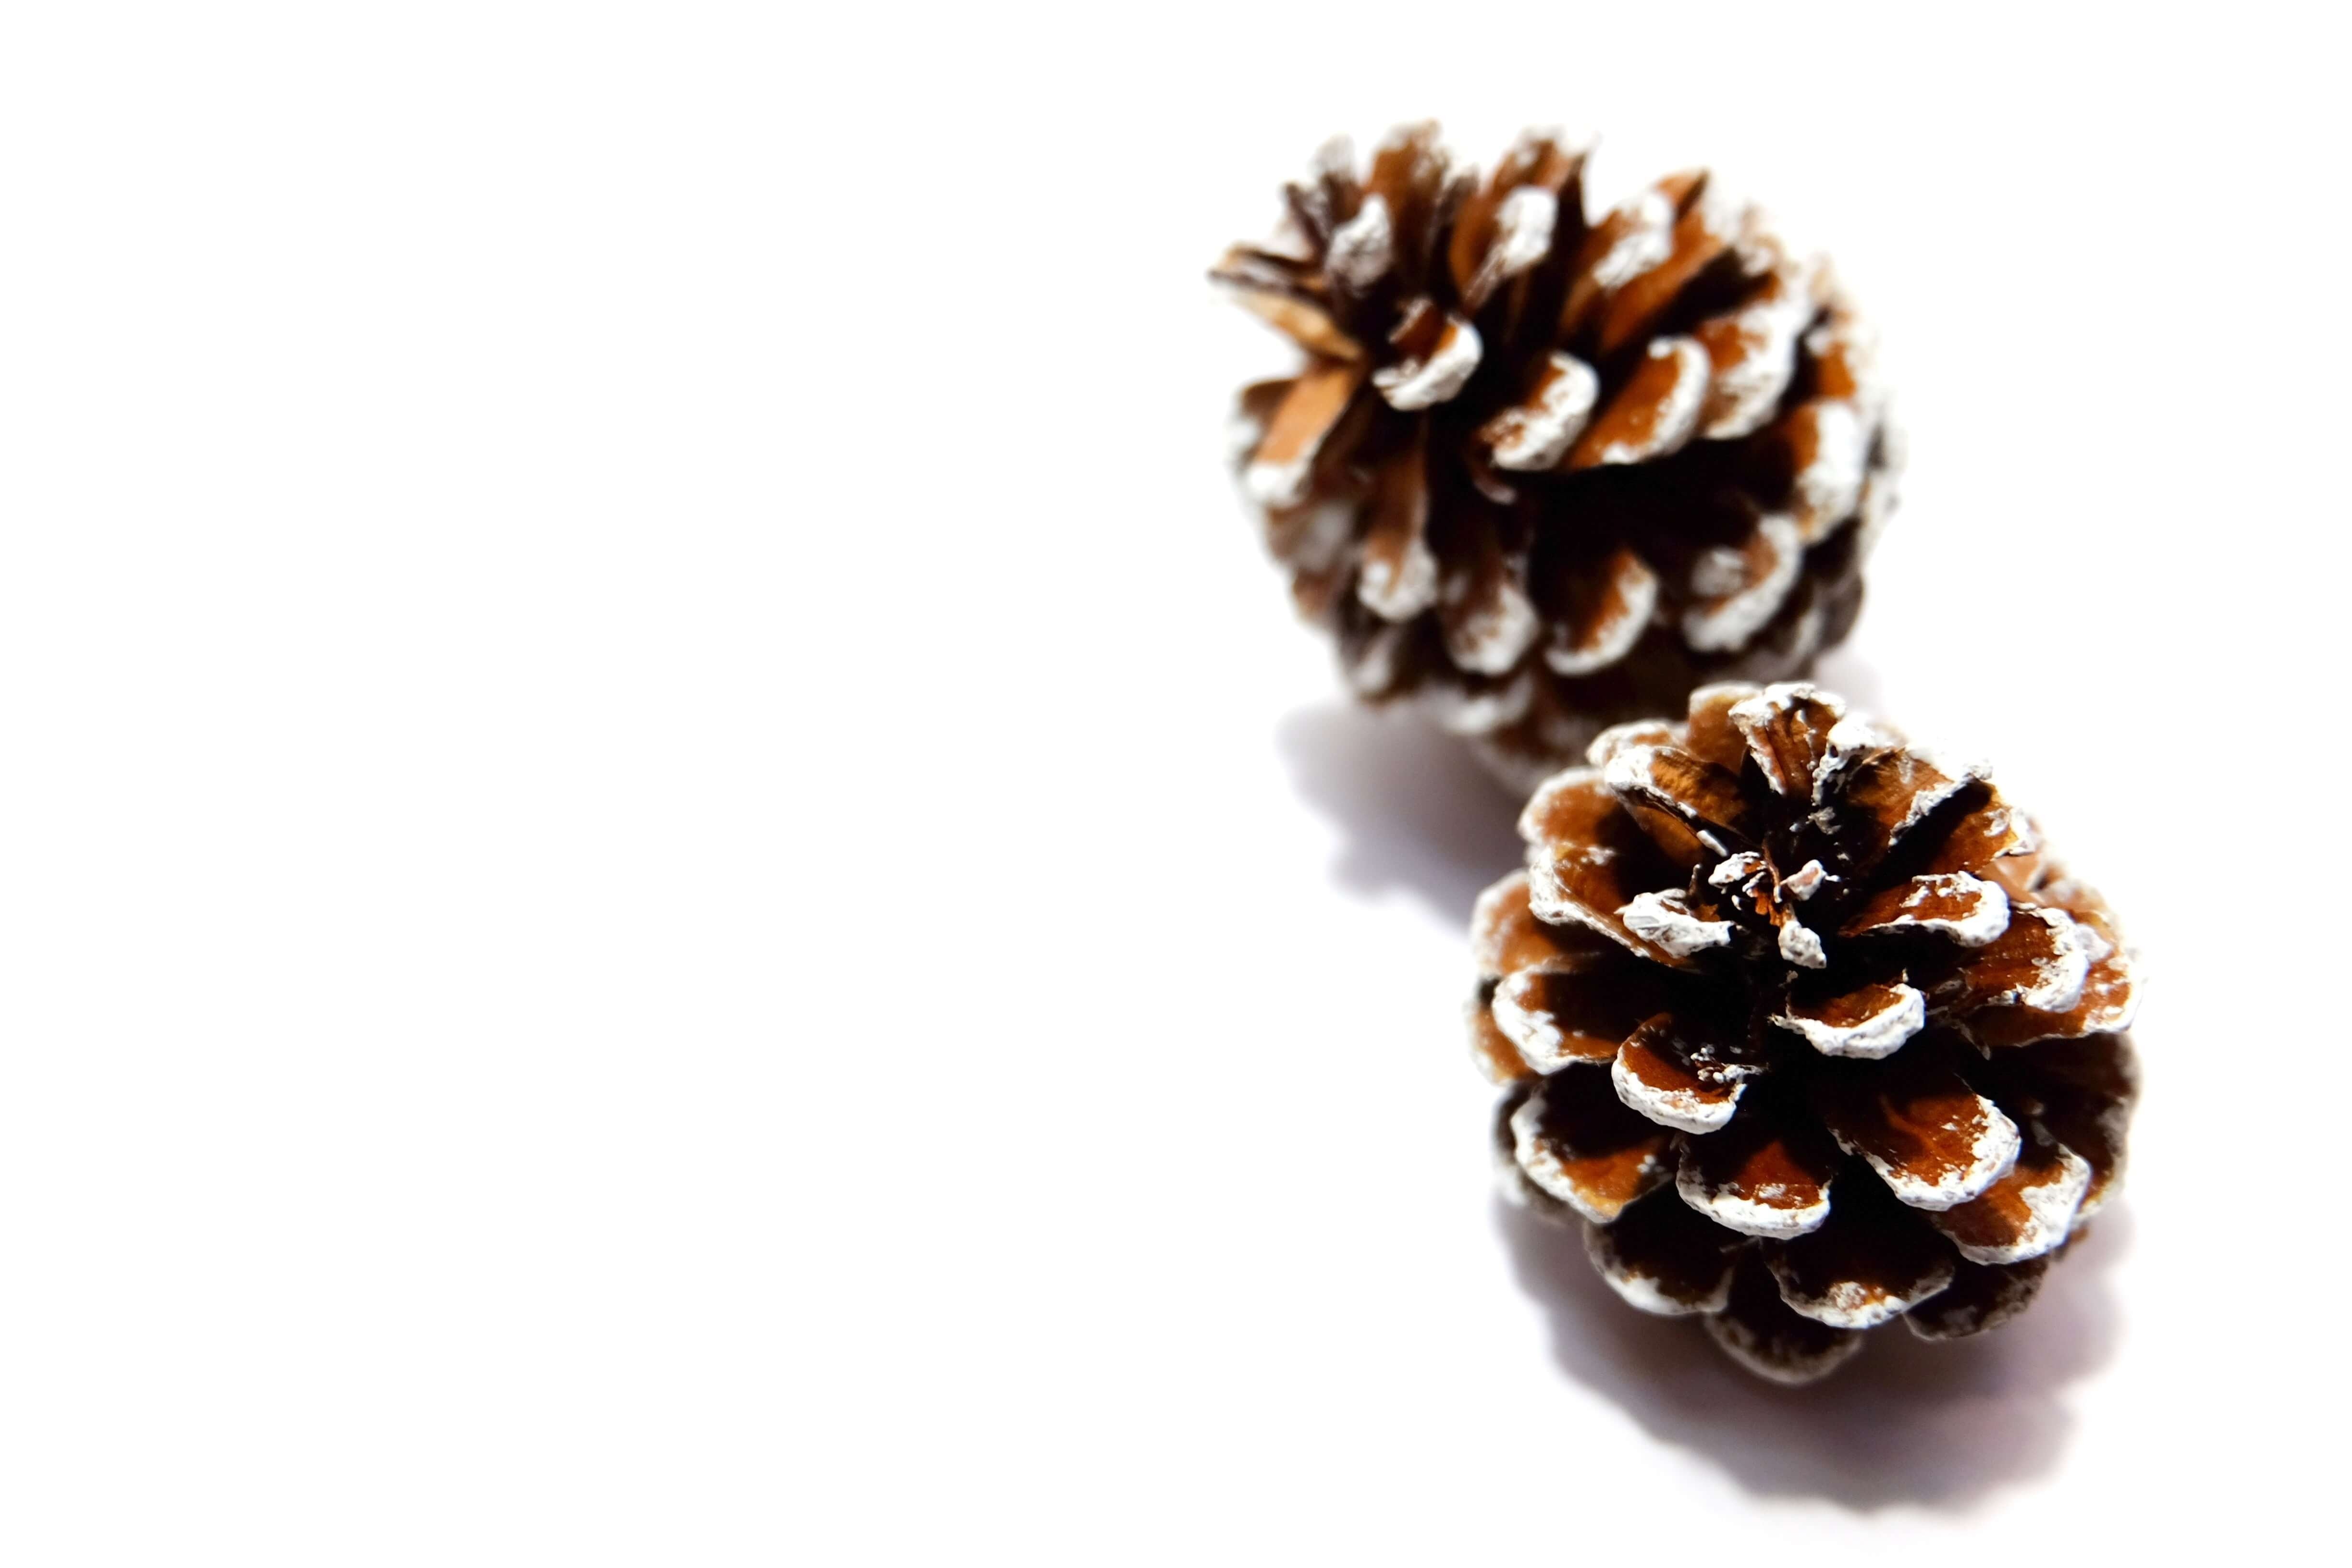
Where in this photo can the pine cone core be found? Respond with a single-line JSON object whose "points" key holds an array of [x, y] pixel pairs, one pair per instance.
{"points": [[1542, 473], [1804, 1026]]}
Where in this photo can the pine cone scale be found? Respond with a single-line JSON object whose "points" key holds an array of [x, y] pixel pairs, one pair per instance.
{"points": [[1758, 1329], [1578, 1143], [1767, 1174], [1979, 1299], [1555, 993], [1867, 1264], [1601, 614], [1934, 1141], [1664, 1258], [1702, 233], [1654, 412], [1872, 1020], [1681, 1076], [2027, 1212], [1298, 428]]}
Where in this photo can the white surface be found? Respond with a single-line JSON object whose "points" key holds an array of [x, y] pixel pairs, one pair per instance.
{"points": [[675, 890]]}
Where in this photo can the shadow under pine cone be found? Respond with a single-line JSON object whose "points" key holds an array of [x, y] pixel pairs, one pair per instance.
{"points": [[1911, 1422], [1416, 810]]}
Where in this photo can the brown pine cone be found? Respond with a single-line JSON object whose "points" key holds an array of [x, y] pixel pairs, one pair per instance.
{"points": [[1804, 1025], [1546, 474]]}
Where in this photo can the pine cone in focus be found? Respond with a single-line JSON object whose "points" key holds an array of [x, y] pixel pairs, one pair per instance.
{"points": [[1546, 474], [1804, 1025]]}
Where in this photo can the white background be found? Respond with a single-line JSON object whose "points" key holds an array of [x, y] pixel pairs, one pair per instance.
{"points": [[673, 888]]}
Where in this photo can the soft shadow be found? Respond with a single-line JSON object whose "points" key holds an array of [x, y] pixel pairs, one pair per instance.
{"points": [[1905, 1422], [1847, 673], [1416, 811]]}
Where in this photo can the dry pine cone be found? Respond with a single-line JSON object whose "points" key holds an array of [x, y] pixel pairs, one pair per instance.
{"points": [[1804, 1026], [1546, 474]]}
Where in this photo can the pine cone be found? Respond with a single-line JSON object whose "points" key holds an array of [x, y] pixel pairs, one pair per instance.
{"points": [[1545, 473], [1804, 1025]]}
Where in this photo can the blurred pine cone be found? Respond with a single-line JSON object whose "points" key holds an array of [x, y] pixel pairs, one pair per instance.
{"points": [[1545, 473], [1804, 1026]]}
